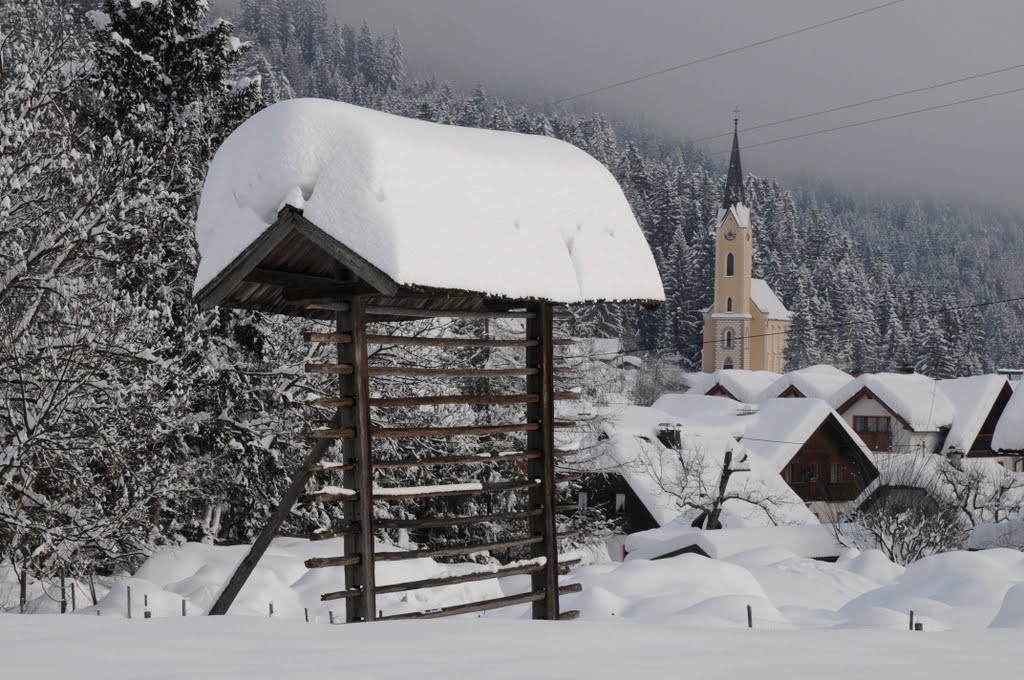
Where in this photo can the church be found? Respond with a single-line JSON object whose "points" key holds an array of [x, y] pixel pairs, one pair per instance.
{"points": [[746, 325]]}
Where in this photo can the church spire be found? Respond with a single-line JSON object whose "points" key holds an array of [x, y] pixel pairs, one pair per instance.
{"points": [[734, 184]]}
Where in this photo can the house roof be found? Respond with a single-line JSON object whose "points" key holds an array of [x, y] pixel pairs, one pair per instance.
{"points": [[819, 382], [743, 385], [1009, 433], [422, 205], [914, 398], [767, 301], [972, 399]]}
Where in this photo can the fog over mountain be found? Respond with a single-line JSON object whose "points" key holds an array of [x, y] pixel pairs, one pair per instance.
{"points": [[538, 50]]}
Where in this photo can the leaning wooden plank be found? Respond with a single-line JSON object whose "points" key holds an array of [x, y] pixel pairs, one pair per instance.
{"points": [[448, 490], [330, 369], [323, 304], [398, 432], [413, 312], [507, 457], [341, 595], [333, 433], [483, 605], [323, 562], [472, 577], [569, 615], [455, 551], [406, 340], [277, 518], [330, 338], [417, 372], [456, 399], [446, 522]]}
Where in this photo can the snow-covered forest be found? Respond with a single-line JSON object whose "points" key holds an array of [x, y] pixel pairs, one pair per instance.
{"points": [[128, 418]]}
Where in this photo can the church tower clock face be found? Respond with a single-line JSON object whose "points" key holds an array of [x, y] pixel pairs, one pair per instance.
{"points": [[730, 235]]}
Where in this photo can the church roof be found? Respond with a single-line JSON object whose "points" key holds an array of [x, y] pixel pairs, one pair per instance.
{"points": [[767, 301], [734, 182]]}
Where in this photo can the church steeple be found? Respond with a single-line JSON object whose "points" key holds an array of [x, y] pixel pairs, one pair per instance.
{"points": [[734, 183]]}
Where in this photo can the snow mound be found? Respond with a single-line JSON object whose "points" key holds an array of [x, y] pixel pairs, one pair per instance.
{"points": [[499, 213], [1011, 613]]}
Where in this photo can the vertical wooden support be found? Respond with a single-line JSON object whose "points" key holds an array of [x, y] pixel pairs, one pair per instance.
{"points": [[541, 357], [358, 453]]}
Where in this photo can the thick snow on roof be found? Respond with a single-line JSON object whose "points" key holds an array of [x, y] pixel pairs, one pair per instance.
{"points": [[433, 205], [806, 540], [740, 212], [767, 301], [742, 384], [915, 398], [819, 382], [1009, 434], [782, 426], [972, 399]]}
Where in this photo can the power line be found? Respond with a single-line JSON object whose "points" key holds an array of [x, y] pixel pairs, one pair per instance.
{"points": [[877, 120], [845, 324], [718, 55], [864, 102]]}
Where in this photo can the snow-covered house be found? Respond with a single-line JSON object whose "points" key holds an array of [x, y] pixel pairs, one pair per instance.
{"points": [[738, 384], [896, 411], [979, 403], [1008, 435], [818, 382]]}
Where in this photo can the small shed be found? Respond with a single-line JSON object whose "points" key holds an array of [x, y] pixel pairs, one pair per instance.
{"points": [[329, 211]]}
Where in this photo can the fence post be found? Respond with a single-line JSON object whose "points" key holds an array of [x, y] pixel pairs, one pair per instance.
{"points": [[74, 599], [129, 601], [183, 606], [750, 617], [331, 617], [911, 619], [918, 626], [271, 609], [92, 587], [63, 593], [305, 611]]}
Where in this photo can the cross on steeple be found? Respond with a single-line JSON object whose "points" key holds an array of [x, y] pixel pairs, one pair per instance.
{"points": [[734, 182]]}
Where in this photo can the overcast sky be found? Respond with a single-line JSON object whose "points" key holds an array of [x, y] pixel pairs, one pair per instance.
{"points": [[554, 48]]}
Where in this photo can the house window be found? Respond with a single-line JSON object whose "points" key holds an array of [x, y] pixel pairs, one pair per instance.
{"points": [[728, 304], [728, 339], [620, 504], [727, 364], [581, 503], [787, 473], [730, 265], [870, 424], [835, 473], [811, 473]]}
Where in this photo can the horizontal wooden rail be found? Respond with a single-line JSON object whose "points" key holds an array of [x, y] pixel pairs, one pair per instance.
{"points": [[565, 423], [455, 551], [460, 578], [446, 522], [341, 595], [409, 341], [333, 402], [479, 430], [570, 588], [418, 372], [494, 487], [332, 338], [456, 460], [567, 396], [324, 562], [483, 605], [457, 399], [413, 312], [332, 369], [331, 497], [333, 433], [331, 466], [323, 303], [333, 532], [569, 615]]}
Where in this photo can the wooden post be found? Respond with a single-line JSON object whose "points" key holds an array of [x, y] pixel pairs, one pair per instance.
{"points": [[63, 593], [183, 610], [539, 327], [358, 453], [147, 614], [129, 588], [918, 626], [23, 587], [331, 617], [305, 611], [271, 609], [277, 518], [74, 600], [92, 588], [750, 617], [911, 619]]}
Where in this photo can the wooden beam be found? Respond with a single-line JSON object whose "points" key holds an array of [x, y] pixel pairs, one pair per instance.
{"points": [[570, 588], [441, 492], [324, 562], [333, 433], [455, 551], [333, 402], [331, 497], [416, 371], [455, 460], [446, 522], [483, 605], [270, 529], [541, 358], [479, 430], [276, 277], [472, 577], [333, 532], [405, 340], [330, 369], [570, 615], [331, 466], [456, 399], [329, 338], [340, 595], [417, 313]]}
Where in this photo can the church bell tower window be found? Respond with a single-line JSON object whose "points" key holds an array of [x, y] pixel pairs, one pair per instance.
{"points": [[730, 265]]}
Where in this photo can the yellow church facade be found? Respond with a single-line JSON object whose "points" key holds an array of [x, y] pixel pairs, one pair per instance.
{"points": [[746, 325]]}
